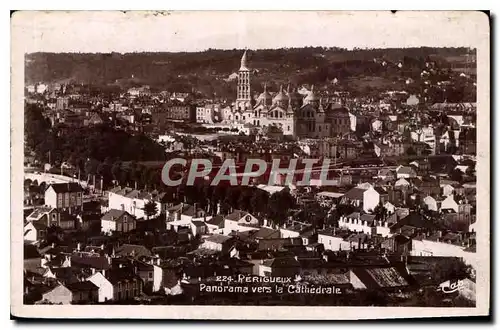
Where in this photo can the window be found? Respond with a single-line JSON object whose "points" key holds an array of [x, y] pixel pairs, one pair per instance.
{"points": [[150, 275]]}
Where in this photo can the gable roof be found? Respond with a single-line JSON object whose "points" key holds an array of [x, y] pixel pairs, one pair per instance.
{"points": [[216, 238], [114, 214], [236, 215], [116, 275], [132, 249], [355, 193], [284, 262], [82, 286], [414, 220], [217, 220], [66, 187], [378, 278], [90, 262]]}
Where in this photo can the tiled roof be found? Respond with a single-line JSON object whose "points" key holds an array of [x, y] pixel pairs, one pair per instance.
{"points": [[355, 194], [217, 220], [132, 249], [220, 239], [113, 214], [285, 262], [66, 187], [82, 286]]}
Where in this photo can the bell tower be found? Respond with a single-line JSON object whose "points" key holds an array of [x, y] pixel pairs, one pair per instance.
{"points": [[243, 97]]}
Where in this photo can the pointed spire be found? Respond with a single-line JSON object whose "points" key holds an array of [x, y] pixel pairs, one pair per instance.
{"points": [[244, 61]]}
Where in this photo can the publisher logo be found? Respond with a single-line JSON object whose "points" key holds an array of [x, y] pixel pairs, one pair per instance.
{"points": [[450, 287]]}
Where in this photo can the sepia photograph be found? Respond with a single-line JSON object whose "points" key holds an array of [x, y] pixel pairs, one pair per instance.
{"points": [[238, 165]]}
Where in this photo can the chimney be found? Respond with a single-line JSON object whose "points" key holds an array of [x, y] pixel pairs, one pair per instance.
{"points": [[79, 246], [93, 270], [53, 245]]}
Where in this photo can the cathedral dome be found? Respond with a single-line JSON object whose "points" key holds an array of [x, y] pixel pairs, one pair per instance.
{"points": [[264, 97], [281, 96]]}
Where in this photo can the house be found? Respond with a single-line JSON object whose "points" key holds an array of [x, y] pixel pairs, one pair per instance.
{"points": [[265, 233], [333, 240], [280, 267], [35, 231], [365, 223], [405, 172], [151, 274], [401, 183], [294, 229], [58, 295], [133, 201], [64, 196], [327, 198], [105, 288], [132, 250], [239, 221], [198, 227], [449, 203], [126, 284], [90, 261], [386, 174], [48, 215], [215, 225], [277, 244], [447, 189], [218, 242], [389, 207], [413, 221], [117, 221], [431, 203], [367, 199], [84, 292], [379, 278]]}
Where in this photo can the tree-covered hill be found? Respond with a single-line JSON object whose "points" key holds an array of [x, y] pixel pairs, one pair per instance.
{"points": [[206, 71]]}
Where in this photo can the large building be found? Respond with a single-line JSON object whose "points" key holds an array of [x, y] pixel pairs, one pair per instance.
{"points": [[292, 112], [64, 196]]}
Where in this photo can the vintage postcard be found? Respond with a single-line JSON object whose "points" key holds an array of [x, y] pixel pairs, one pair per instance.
{"points": [[266, 165]]}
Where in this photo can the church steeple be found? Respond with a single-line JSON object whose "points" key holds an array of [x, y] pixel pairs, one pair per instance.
{"points": [[243, 97], [244, 66]]}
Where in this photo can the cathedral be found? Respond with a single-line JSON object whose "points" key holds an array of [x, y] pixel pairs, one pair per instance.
{"points": [[293, 113]]}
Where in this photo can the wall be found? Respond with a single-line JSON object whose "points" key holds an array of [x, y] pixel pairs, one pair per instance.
{"points": [[105, 287], [107, 226], [59, 295], [333, 243]]}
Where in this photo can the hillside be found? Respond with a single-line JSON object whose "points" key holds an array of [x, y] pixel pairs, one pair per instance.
{"points": [[207, 71]]}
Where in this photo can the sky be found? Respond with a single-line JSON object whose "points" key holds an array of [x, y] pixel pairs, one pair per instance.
{"points": [[114, 31]]}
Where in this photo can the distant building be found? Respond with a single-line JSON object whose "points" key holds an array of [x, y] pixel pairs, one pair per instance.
{"points": [[62, 103], [64, 196]]}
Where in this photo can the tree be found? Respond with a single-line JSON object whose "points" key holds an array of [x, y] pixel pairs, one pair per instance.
{"points": [[380, 212], [150, 209], [456, 175], [450, 269]]}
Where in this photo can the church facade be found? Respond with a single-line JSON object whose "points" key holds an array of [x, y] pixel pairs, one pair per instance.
{"points": [[293, 113]]}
